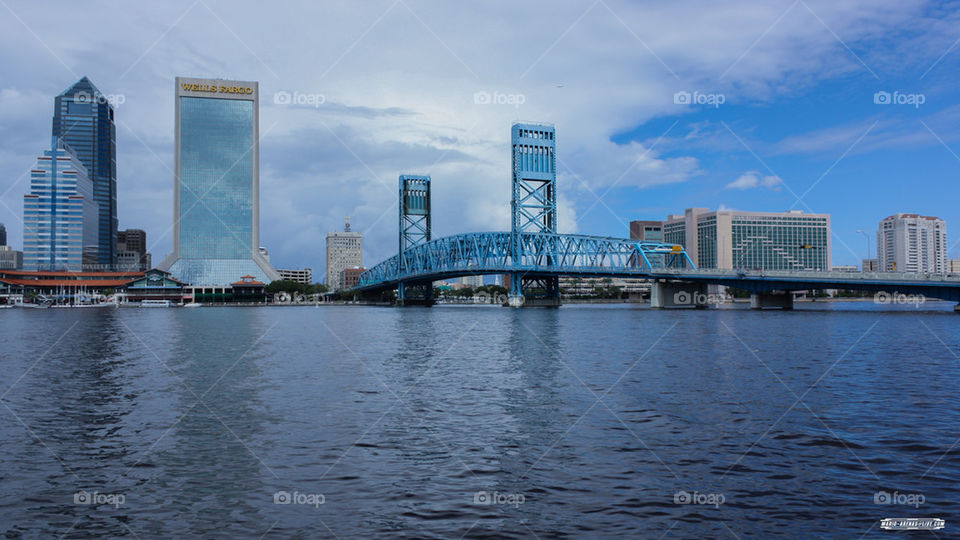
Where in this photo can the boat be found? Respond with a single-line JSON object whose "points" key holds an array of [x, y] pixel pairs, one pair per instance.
{"points": [[192, 304]]}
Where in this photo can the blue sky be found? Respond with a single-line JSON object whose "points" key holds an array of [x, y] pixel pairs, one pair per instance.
{"points": [[394, 84]]}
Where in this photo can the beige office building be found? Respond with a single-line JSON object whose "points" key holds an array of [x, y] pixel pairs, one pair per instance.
{"points": [[344, 250], [734, 239]]}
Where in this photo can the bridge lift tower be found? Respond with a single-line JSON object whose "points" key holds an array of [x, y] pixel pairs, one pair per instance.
{"points": [[414, 230], [534, 209]]}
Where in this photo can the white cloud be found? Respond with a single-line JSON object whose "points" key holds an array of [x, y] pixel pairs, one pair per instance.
{"points": [[752, 179]]}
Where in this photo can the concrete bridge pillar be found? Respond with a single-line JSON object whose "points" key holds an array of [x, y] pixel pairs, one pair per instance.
{"points": [[780, 300], [678, 294], [415, 294], [548, 292]]}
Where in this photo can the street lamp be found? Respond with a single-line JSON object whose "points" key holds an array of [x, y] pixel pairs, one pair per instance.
{"points": [[867, 236]]}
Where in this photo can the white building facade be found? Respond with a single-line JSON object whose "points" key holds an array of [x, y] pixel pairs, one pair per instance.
{"points": [[912, 243]]}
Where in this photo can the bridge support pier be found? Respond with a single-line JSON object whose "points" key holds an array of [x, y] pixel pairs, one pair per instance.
{"points": [[415, 294], [678, 294], [780, 300], [547, 292]]}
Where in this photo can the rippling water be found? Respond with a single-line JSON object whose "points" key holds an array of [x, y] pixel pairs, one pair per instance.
{"points": [[587, 421]]}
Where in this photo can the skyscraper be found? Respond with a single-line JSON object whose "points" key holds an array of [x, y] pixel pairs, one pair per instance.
{"points": [[132, 251], [344, 250], [60, 216], [912, 243], [216, 205], [3, 234], [83, 118]]}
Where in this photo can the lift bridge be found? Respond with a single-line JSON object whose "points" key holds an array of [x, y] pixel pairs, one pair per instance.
{"points": [[534, 255]]}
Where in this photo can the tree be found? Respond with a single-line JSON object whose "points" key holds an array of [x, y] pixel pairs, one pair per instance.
{"points": [[286, 285]]}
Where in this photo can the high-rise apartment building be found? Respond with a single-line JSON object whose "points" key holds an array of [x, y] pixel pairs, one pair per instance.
{"points": [[344, 250], [84, 119], [216, 206], [60, 215], [912, 243]]}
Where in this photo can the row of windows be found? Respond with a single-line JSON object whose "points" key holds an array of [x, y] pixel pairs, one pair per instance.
{"points": [[534, 134]]}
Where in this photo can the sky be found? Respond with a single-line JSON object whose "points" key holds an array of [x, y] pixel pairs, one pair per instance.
{"points": [[848, 108]]}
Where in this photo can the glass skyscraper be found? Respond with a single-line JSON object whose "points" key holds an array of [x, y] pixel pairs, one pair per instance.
{"points": [[217, 184], [83, 118], [60, 215]]}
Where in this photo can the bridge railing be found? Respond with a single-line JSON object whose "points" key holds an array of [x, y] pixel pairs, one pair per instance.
{"points": [[816, 275]]}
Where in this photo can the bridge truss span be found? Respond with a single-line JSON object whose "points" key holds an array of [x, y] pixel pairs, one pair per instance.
{"points": [[547, 254]]}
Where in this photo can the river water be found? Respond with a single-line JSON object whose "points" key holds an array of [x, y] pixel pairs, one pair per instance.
{"points": [[449, 422]]}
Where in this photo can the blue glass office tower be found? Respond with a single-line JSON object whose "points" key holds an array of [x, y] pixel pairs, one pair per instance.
{"points": [[83, 118], [216, 206], [60, 215]]}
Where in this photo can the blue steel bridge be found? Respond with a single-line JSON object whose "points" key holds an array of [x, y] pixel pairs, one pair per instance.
{"points": [[534, 255]]}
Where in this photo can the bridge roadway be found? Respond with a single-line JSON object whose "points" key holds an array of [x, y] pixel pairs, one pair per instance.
{"points": [[547, 254]]}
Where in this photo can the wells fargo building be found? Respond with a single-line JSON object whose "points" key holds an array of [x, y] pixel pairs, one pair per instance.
{"points": [[216, 205]]}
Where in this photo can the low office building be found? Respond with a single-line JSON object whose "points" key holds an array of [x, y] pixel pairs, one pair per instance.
{"points": [[249, 291], [44, 282], [591, 287], [954, 266], [154, 285], [870, 265], [10, 259], [350, 277]]}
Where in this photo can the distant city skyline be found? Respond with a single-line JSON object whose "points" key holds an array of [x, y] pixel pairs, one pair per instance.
{"points": [[784, 115]]}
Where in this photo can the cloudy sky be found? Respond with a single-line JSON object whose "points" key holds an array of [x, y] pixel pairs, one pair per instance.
{"points": [[849, 108]]}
